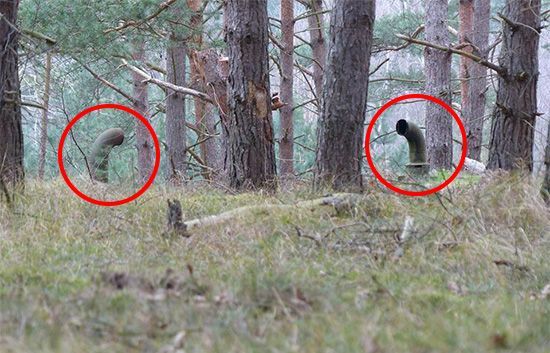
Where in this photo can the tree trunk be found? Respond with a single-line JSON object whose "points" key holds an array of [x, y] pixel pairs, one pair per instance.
{"points": [[466, 15], [250, 150], [340, 128], [286, 143], [439, 124], [175, 111], [144, 142], [11, 134], [216, 86], [204, 116], [474, 111], [515, 112], [318, 46], [546, 183], [44, 120]]}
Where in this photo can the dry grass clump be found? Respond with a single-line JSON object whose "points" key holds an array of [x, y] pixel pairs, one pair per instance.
{"points": [[465, 270]]}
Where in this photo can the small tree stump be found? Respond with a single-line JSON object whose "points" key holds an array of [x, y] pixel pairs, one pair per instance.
{"points": [[176, 226]]}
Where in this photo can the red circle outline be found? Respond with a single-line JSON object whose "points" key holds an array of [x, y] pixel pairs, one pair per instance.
{"points": [[62, 143], [450, 110]]}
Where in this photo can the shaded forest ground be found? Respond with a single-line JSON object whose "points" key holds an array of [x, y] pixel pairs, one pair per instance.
{"points": [[469, 276]]}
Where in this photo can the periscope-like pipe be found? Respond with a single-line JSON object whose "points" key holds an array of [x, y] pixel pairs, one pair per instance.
{"points": [[417, 144], [99, 158]]}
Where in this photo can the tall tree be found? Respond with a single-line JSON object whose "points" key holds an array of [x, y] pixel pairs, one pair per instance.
{"points": [[144, 142], [175, 109], [44, 119], [439, 125], [340, 127], [474, 110], [466, 16], [250, 154], [286, 143], [205, 118], [515, 112], [317, 42], [11, 135], [214, 82], [546, 183]]}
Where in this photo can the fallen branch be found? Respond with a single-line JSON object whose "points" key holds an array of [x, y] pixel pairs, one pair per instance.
{"points": [[336, 200]]}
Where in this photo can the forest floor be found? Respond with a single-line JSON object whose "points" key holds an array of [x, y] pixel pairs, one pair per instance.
{"points": [[471, 275]]}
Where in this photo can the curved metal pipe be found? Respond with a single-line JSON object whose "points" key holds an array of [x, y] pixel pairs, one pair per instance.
{"points": [[417, 143], [99, 158]]}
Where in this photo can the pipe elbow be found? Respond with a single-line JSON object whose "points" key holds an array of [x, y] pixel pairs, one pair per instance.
{"points": [[416, 141], [100, 152]]}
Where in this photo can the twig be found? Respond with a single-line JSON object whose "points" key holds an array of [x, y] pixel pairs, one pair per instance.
{"points": [[168, 85], [499, 69], [105, 82], [163, 6]]}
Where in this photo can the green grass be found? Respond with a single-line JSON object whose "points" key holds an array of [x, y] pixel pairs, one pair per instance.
{"points": [[79, 278]]}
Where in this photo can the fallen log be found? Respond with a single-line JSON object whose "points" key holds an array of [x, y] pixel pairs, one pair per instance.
{"points": [[340, 201]]}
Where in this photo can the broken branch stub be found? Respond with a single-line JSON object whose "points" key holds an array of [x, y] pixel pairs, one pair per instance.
{"points": [[101, 148]]}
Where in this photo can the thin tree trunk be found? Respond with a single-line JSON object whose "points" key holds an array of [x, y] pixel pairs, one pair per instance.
{"points": [[11, 134], [44, 120], [203, 115], [175, 111], [144, 142], [250, 150], [474, 110], [340, 130], [546, 183], [439, 124], [215, 85], [515, 112], [466, 15], [286, 143], [318, 46]]}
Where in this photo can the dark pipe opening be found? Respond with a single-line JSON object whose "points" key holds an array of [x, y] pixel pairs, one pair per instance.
{"points": [[401, 127]]}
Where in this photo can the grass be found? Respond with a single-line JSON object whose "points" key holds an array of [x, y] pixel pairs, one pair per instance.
{"points": [[79, 278]]}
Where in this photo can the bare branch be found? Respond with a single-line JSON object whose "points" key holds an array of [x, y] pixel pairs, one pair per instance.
{"points": [[379, 66], [105, 82], [499, 69], [163, 6], [167, 85], [39, 36]]}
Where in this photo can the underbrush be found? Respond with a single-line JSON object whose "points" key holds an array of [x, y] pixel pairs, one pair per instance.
{"points": [[465, 270]]}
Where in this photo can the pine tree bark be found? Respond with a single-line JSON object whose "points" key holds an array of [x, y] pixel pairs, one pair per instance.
{"points": [[286, 143], [318, 45], [215, 84], [205, 119], [474, 110], [439, 124], [144, 142], [546, 183], [466, 16], [175, 111], [340, 128], [44, 119], [251, 154], [11, 134], [512, 130]]}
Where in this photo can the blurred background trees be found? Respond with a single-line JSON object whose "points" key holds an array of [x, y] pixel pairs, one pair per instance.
{"points": [[74, 54]]}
